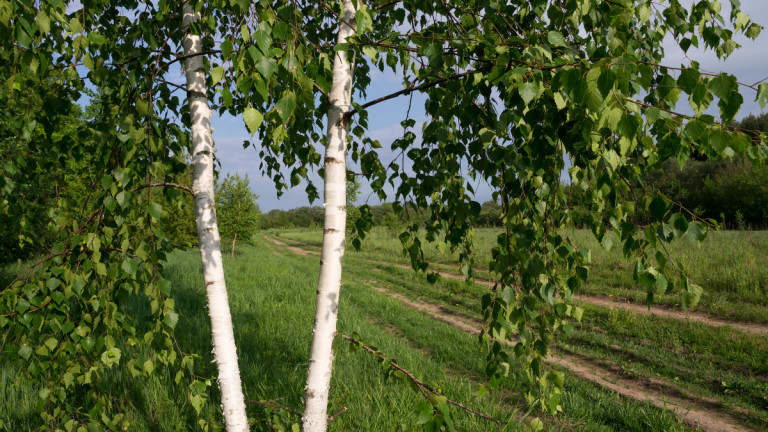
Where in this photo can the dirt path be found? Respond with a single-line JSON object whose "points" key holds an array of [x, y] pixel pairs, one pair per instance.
{"points": [[623, 304], [295, 249], [694, 411], [593, 299]]}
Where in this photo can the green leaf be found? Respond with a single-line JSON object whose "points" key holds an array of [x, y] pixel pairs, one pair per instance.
{"points": [[96, 38], [245, 33], [719, 140], [171, 319], [266, 67], [691, 295], [53, 283], [43, 21], [263, 39], [123, 198], [363, 19], [148, 366], [689, 79], [556, 38], [753, 31], [253, 119], [75, 26], [25, 351], [370, 52], [155, 210], [697, 231], [217, 74], [142, 107], [528, 91], [51, 343], [285, 106], [762, 95], [658, 208], [226, 49], [197, 403], [679, 224], [560, 101], [111, 357], [129, 266], [723, 85]]}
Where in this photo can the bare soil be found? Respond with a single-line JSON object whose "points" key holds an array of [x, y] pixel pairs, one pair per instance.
{"points": [[294, 249], [694, 411], [597, 300]]}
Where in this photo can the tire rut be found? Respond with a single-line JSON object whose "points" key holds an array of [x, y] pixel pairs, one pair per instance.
{"points": [[695, 413], [593, 299], [617, 303]]}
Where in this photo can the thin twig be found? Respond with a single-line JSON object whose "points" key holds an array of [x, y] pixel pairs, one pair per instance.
{"points": [[336, 414], [274, 405], [175, 185], [422, 386], [408, 90]]}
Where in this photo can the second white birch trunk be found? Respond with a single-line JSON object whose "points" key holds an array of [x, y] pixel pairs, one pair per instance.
{"points": [[334, 232], [224, 351]]}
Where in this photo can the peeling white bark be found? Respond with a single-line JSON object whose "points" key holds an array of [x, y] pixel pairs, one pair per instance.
{"points": [[224, 351], [329, 284]]}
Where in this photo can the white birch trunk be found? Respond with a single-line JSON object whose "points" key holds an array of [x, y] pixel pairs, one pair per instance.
{"points": [[224, 352], [334, 232]]}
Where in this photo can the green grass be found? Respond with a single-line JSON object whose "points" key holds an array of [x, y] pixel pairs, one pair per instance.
{"points": [[272, 300], [729, 265], [716, 363], [721, 365]]}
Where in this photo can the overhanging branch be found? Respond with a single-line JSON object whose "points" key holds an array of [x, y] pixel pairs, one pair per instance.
{"points": [[174, 185], [408, 90]]}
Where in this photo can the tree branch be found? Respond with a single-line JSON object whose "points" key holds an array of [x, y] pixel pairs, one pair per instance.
{"points": [[274, 405], [383, 5], [421, 384], [408, 90], [180, 87], [336, 414], [175, 185]]}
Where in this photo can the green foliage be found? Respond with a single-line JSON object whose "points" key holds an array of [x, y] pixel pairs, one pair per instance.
{"points": [[238, 214], [37, 178], [579, 79], [73, 317]]}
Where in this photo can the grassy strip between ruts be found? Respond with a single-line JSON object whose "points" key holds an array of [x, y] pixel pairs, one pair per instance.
{"points": [[589, 407], [727, 371], [728, 266], [730, 367]]}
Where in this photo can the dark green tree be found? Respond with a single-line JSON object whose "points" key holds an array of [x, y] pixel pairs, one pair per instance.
{"points": [[238, 213]]}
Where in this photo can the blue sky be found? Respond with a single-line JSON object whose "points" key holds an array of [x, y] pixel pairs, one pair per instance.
{"points": [[749, 64]]}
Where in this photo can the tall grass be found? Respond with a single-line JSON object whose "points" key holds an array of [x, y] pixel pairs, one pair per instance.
{"points": [[731, 266], [272, 300]]}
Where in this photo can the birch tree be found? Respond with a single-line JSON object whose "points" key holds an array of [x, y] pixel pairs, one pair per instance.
{"points": [[512, 91], [334, 233], [224, 350]]}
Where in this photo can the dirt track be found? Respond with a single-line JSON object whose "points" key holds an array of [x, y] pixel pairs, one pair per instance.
{"points": [[599, 300], [692, 409], [696, 412]]}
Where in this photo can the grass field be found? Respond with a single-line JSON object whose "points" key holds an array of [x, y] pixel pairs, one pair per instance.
{"points": [[730, 266], [717, 368], [676, 367]]}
